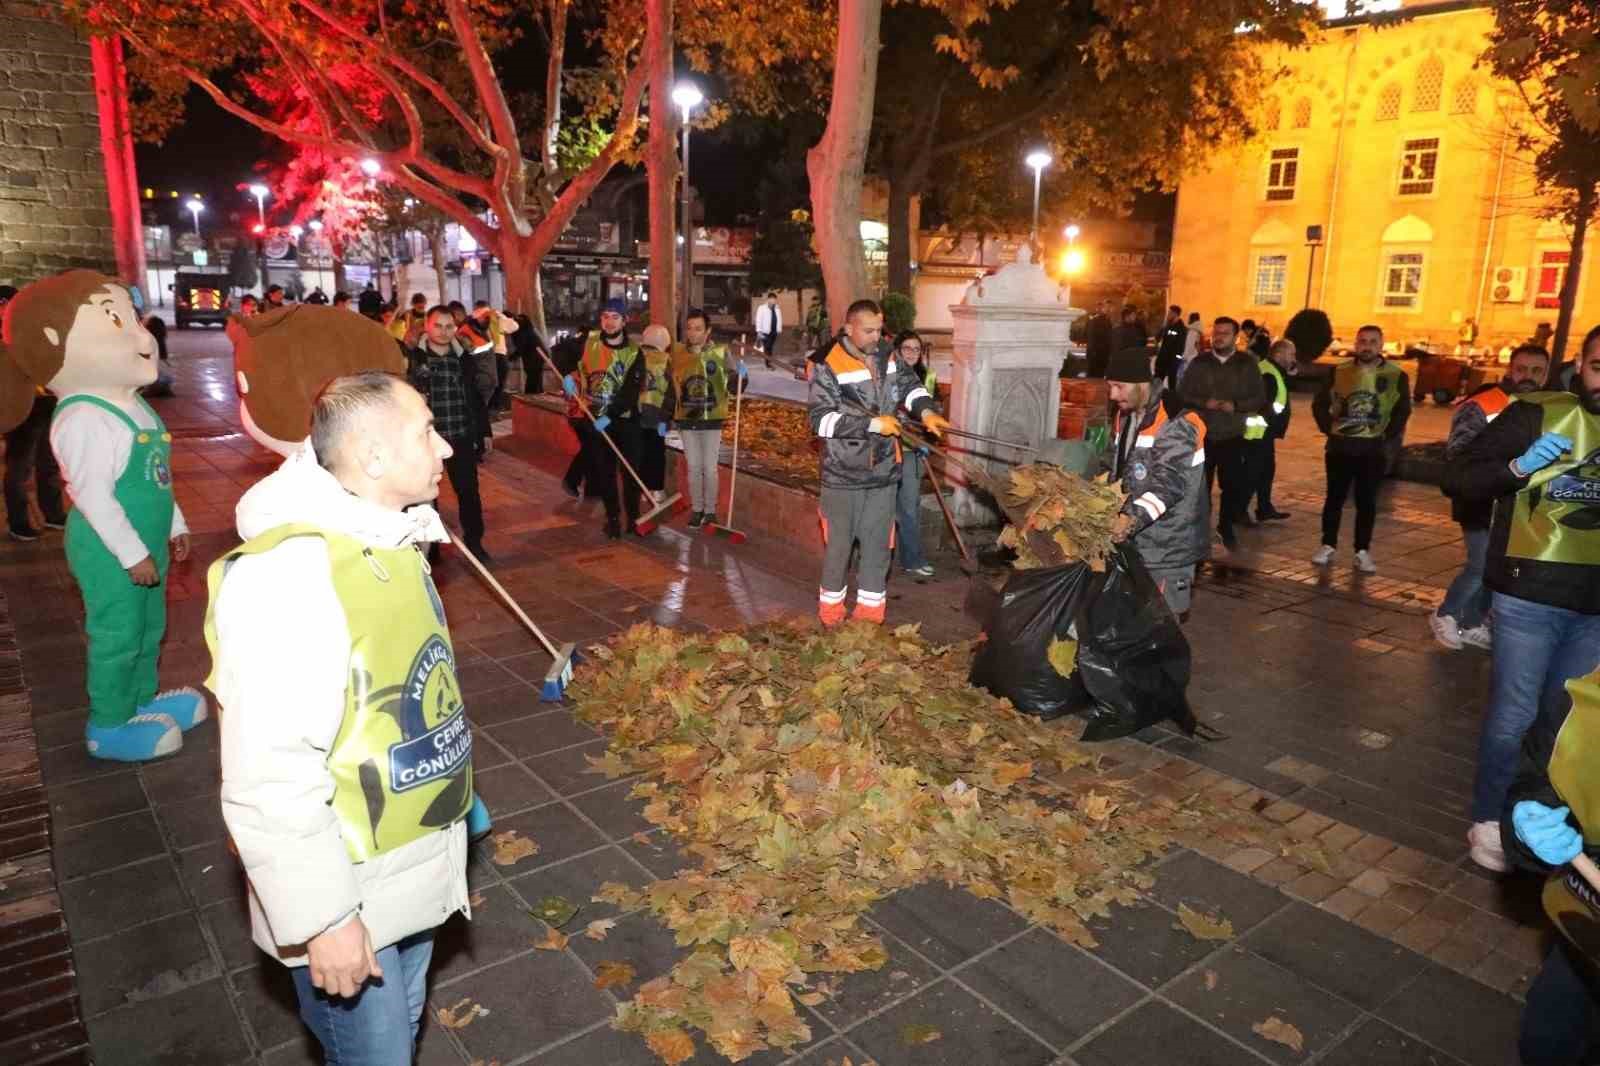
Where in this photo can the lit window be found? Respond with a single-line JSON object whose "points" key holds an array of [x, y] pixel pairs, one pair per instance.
{"points": [[1302, 113], [1419, 162], [1273, 116], [1388, 104], [1402, 281], [1430, 85], [1552, 276], [1283, 167], [1465, 99], [1272, 277]]}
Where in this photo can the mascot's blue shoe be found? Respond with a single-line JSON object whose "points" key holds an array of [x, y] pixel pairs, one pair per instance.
{"points": [[478, 822], [139, 739], [186, 706]]}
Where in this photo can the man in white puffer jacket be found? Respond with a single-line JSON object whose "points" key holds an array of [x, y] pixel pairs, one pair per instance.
{"points": [[346, 754]]}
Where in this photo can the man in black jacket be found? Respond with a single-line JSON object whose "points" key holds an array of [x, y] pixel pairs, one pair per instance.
{"points": [[1224, 386], [446, 377], [1540, 462], [1097, 342], [1169, 352]]}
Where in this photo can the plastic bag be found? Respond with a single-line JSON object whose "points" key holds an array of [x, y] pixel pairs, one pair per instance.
{"points": [[1133, 660]]}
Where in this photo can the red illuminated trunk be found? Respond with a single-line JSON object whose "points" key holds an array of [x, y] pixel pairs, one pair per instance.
{"points": [[116, 149]]}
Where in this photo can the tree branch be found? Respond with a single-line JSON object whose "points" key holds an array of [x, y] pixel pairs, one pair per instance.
{"points": [[577, 191], [510, 180], [554, 72], [962, 144]]}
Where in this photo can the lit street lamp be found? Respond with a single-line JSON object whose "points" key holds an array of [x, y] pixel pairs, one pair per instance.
{"points": [[687, 96], [316, 227], [1038, 159], [1071, 233], [259, 191], [195, 207], [370, 167]]}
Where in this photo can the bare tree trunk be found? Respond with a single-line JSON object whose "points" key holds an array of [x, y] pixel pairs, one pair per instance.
{"points": [[836, 164], [436, 249], [904, 183], [662, 163], [1569, 285]]}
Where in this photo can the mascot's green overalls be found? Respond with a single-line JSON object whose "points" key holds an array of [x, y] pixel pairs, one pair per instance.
{"points": [[402, 759]]}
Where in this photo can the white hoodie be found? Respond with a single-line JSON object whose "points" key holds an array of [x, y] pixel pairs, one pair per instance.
{"points": [[283, 651]]}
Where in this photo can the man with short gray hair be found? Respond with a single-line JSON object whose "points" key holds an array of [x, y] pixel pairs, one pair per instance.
{"points": [[346, 753]]}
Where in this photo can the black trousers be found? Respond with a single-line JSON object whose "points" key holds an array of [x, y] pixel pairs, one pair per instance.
{"points": [[462, 469], [1261, 466], [1559, 1022], [578, 470], [630, 440], [28, 455], [1364, 473], [1225, 462]]}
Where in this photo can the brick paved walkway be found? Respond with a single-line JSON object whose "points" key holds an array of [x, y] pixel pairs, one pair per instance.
{"points": [[1344, 723]]}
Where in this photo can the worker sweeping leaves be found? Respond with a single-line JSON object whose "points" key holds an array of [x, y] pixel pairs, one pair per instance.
{"points": [[702, 382]]}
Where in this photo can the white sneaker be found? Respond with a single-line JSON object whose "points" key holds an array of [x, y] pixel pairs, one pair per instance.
{"points": [[1323, 557], [1484, 848], [1365, 563], [1479, 637], [1445, 630]]}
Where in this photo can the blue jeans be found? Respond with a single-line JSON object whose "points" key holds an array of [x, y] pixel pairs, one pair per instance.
{"points": [[1558, 1023], [908, 512], [1537, 650], [379, 1026], [1467, 600]]}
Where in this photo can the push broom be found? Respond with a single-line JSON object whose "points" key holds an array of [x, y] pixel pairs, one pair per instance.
{"points": [[645, 523], [562, 657], [725, 529]]}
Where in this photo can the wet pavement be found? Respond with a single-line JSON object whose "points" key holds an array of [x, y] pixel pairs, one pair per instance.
{"points": [[1343, 721]]}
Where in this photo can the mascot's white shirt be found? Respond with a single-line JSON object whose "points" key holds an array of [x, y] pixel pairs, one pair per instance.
{"points": [[92, 446]]}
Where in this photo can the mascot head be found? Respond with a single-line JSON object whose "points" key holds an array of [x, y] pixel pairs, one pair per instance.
{"points": [[283, 357], [74, 332]]}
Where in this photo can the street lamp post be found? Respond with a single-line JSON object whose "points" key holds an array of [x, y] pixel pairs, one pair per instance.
{"points": [[195, 207], [316, 227], [687, 96], [259, 191], [1038, 159]]}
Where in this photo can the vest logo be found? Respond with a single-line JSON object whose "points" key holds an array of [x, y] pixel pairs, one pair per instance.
{"points": [[1361, 410], [157, 471], [1581, 484], [698, 399], [430, 754]]}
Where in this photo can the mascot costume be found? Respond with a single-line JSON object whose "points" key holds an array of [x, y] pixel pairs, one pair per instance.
{"points": [[77, 335], [282, 359]]}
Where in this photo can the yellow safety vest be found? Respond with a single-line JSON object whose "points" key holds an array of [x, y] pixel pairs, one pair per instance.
{"points": [[1556, 518], [402, 759], [1364, 398], [700, 381]]}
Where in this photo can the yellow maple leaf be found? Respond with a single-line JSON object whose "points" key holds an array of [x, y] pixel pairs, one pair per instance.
{"points": [[1007, 774], [1279, 1031], [554, 940], [511, 847], [1203, 926], [1063, 656], [608, 974], [672, 1046]]}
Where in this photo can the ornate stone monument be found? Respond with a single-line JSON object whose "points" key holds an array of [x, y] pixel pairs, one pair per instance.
{"points": [[1010, 340]]}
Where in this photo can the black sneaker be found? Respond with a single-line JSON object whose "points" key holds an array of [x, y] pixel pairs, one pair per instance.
{"points": [[697, 519], [613, 529], [1273, 515], [25, 534], [570, 489]]}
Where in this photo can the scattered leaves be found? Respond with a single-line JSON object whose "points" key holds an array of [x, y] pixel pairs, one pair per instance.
{"points": [[1056, 517], [597, 929], [608, 974], [463, 1014], [1211, 980], [1063, 656], [1203, 926], [1279, 1031], [672, 1046], [511, 847], [912, 1035], [554, 910], [554, 940]]}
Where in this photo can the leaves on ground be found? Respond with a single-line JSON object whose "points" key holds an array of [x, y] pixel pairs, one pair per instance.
{"points": [[511, 847], [597, 929], [554, 940], [1056, 517], [1203, 926], [613, 973], [1279, 1031], [1063, 656], [672, 1046], [775, 439], [1211, 980], [912, 1035], [807, 774], [463, 1014], [554, 910]]}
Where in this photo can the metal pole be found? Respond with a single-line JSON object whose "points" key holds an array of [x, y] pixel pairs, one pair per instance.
{"points": [[1034, 237], [1311, 266], [688, 232]]}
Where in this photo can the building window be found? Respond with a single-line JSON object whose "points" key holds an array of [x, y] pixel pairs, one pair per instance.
{"points": [[1283, 168], [1272, 277], [1388, 104], [1430, 85], [1419, 163], [1465, 99], [1552, 276], [1302, 113], [1273, 116], [1402, 281]]}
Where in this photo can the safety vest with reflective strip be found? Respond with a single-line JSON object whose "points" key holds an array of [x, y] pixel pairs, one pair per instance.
{"points": [[1490, 401], [1280, 395], [1149, 502]]}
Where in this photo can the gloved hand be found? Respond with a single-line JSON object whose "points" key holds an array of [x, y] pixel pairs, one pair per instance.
{"points": [[935, 423], [744, 371], [1546, 832], [569, 385], [661, 429], [602, 422], [1540, 454], [885, 426]]}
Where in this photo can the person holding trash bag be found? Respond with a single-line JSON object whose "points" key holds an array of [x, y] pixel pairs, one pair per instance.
{"points": [[1161, 464]]}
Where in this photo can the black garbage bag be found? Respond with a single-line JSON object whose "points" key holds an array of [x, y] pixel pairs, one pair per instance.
{"points": [[1133, 660]]}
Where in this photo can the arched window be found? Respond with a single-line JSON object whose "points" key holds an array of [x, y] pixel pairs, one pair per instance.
{"points": [[1302, 113], [1388, 103], [1273, 115], [1464, 101], [1430, 85]]}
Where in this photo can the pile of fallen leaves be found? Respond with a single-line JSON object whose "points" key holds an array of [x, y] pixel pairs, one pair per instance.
{"points": [[775, 440], [1056, 517], [812, 773]]}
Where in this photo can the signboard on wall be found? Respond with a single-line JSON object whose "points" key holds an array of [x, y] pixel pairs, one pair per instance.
{"points": [[588, 233], [723, 245]]}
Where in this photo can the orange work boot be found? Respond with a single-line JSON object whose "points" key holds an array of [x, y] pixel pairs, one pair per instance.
{"points": [[830, 607], [869, 607]]}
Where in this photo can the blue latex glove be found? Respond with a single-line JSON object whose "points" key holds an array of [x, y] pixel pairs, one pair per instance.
{"points": [[569, 385], [661, 428], [601, 423], [1546, 832], [1541, 453], [744, 371]]}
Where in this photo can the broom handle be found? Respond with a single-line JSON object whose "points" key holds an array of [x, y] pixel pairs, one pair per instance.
{"points": [[1585, 866], [483, 572], [584, 407], [938, 494], [733, 480]]}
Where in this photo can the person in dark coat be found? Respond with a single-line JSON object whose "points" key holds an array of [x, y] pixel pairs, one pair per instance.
{"points": [[1098, 342], [1130, 333], [1169, 349]]}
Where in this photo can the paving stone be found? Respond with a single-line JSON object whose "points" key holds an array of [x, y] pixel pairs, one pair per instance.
{"points": [[568, 772], [1409, 897], [180, 778], [946, 925], [145, 962], [105, 844], [1309, 825], [193, 821], [1152, 1033], [95, 799], [970, 1032], [1279, 871], [1059, 992], [509, 788], [1246, 989], [577, 880], [196, 1025], [1147, 944], [555, 828], [267, 997], [1382, 918], [1370, 849], [567, 1003], [1421, 934], [1457, 1015], [1375, 1043], [605, 1046], [499, 705], [228, 923], [610, 808], [660, 854], [500, 927], [1505, 974], [1248, 860], [106, 903], [1203, 884], [1460, 952], [1313, 886], [1330, 952], [1339, 837], [543, 733], [212, 872], [1374, 883]]}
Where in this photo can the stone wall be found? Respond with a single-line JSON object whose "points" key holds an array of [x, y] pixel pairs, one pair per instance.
{"points": [[53, 209]]}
